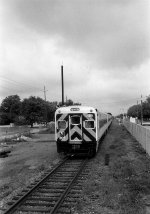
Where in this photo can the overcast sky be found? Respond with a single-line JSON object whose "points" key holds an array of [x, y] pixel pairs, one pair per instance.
{"points": [[104, 46]]}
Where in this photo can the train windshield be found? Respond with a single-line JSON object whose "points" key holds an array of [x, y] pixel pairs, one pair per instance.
{"points": [[89, 124], [61, 124], [75, 120]]}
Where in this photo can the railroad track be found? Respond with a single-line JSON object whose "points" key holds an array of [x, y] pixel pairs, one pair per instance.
{"points": [[57, 192]]}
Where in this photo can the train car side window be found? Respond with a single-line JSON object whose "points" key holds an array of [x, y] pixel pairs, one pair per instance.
{"points": [[61, 124], [75, 120], [89, 124]]}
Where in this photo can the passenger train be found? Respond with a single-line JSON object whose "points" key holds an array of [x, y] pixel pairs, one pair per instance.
{"points": [[80, 128]]}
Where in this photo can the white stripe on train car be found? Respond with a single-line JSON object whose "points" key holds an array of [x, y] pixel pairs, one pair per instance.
{"points": [[62, 117], [75, 129], [86, 138], [91, 132], [87, 117]]}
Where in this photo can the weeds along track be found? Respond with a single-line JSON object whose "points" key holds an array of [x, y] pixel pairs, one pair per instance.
{"points": [[56, 192]]}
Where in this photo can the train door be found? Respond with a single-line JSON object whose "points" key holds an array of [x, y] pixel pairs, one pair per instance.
{"points": [[75, 125]]}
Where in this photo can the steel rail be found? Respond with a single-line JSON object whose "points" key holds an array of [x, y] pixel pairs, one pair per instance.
{"points": [[14, 207], [59, 203]]}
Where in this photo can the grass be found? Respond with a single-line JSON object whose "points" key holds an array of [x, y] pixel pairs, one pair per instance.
{"points": [[120, 187]]}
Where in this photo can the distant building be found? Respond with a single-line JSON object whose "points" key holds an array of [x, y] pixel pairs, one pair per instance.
{"points": [[132, 120]]}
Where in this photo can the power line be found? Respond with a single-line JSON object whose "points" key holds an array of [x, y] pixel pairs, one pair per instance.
{"points": [[19, 83], [5, 87], [124, 100]]}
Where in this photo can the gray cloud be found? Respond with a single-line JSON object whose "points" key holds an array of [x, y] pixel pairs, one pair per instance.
{"points": [[112, 33], [104, 45]]}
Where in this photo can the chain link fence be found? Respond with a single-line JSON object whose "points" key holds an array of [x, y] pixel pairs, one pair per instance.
{"points": [[142, 134]]}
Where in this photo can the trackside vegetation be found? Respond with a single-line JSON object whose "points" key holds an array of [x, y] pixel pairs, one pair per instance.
{"points": [[135, 110], [29, 110], [122, 186]]}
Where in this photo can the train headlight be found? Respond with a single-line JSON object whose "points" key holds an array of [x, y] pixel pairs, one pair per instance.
{"points": [[62, 134]]}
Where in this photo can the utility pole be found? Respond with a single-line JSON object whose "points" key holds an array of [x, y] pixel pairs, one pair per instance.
{"points": [[45, 105], [62, 83], [123, 112], [141, 111], [44, 93], [137, 112]]}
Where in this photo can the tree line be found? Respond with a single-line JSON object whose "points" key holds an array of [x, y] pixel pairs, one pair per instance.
{"points": [[140, 110], [28, 111]]}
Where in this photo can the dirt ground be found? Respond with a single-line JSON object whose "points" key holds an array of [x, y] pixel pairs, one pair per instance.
{"points": [[24, 164]]}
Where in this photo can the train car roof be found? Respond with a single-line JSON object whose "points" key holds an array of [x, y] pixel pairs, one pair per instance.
{"points": [[76, 109]]}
